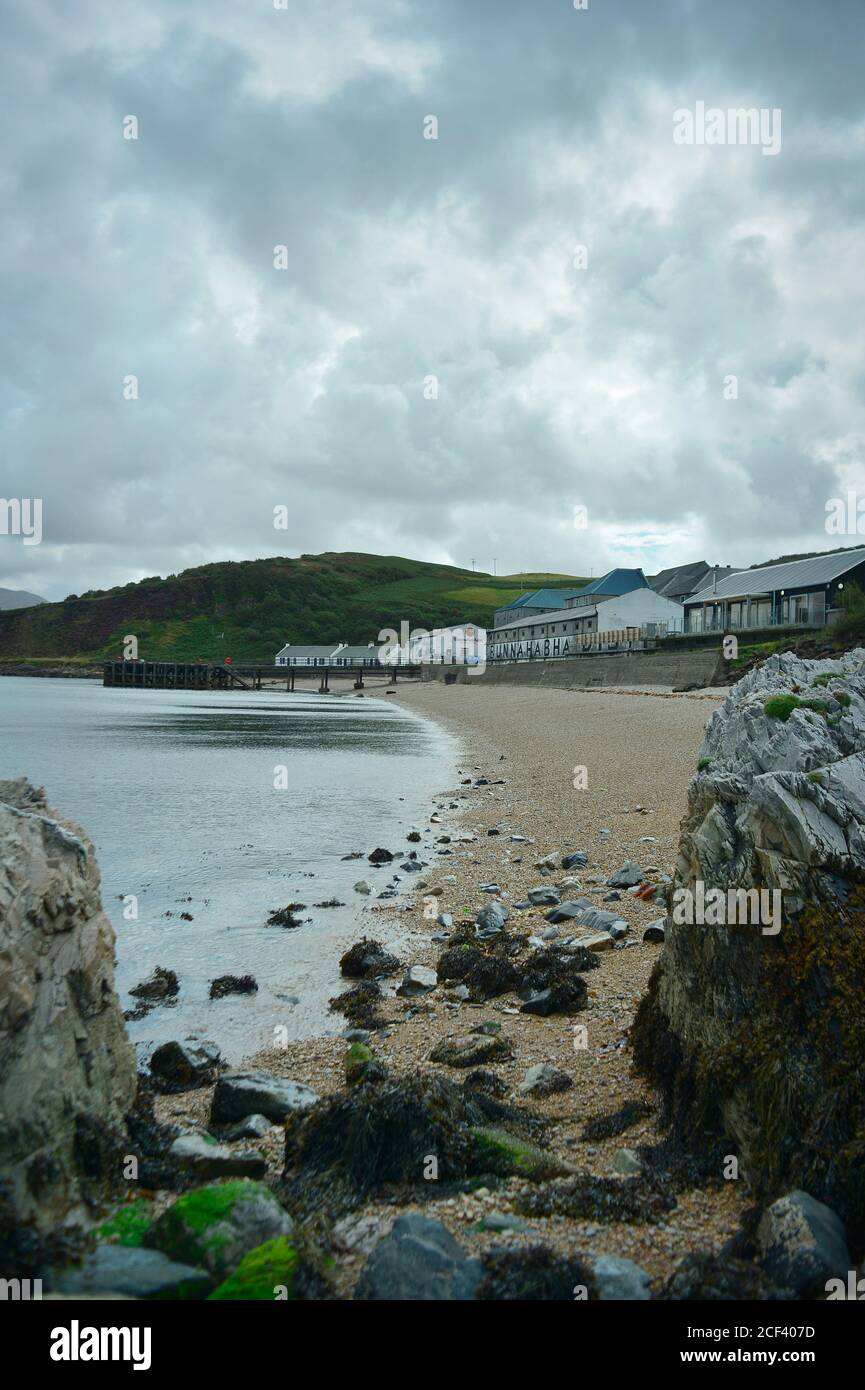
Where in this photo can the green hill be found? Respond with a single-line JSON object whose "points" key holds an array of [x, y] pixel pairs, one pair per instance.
{"points": [[248, 609]]}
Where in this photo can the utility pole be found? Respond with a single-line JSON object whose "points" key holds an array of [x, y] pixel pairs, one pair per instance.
{"points": [[473, 566], [495, 562]]}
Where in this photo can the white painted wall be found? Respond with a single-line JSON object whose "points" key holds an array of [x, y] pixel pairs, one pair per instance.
{"points": [[638, 607]]}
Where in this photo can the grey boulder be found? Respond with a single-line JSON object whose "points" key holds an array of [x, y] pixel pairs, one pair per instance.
{"points": [[134, 1272], [803, 1244], [242, 1093], [419, 1261]]}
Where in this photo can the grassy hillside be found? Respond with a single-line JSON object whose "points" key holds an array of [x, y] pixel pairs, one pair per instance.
{"points": [[247, 610]]}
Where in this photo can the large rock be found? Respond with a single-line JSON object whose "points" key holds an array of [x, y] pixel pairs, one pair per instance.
{"points": [[67, 1068], [419, 1261], [216, 1226], [755, 1029], [803, 1245], [205, 1158], [620, 1279], [134, 1273], [185, 1066], [242, 1093]]}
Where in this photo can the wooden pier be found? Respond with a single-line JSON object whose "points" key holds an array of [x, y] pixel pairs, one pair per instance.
{"points": [[198, 675]]}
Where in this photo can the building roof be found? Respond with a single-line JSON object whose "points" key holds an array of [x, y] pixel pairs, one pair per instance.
{"points": [[681, 580], [359, 653], [795, 574], [615, 583], [327, 649], [557, 615], [541, 598]]}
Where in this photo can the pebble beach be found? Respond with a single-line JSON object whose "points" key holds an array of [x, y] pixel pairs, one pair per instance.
{"points": [[543, 773]]}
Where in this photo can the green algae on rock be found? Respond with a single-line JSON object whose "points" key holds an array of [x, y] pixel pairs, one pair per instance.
{"points": [[265, 1274], [215, 1226]]}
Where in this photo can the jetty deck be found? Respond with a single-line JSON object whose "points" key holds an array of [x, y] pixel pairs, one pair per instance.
{"points": [[200, 675]]}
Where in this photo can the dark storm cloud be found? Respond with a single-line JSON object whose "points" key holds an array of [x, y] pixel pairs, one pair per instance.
{"points": [[410, 258]]}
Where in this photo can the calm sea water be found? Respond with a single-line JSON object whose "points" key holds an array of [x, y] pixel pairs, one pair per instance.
{"points": [[176, 791]]}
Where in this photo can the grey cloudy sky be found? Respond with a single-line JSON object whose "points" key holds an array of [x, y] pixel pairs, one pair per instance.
{"points": [[407, 257]]}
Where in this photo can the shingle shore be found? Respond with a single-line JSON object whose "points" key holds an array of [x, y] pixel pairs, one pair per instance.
{"points": [[638, 753]]}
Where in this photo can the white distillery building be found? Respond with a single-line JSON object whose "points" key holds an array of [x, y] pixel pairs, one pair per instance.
{"points": [[564, 632], [308, 655], [461, 645]]}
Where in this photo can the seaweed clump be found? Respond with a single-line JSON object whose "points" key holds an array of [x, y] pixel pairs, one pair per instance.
{"points": [[704, 1276], [366, 959], [617, 1121], [598, 1199], [360, 1005], [486, 971], [559, 972], [366, 1139], [532, 1275]]}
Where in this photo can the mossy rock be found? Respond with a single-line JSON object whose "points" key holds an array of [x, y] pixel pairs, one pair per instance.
{"points": [[358, 1062], [265, 1275], [128, 1226], [215, 1226], [501, 1153]]}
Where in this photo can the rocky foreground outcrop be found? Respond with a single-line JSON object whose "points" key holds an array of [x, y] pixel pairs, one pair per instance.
{"points": [[755, 1030], [67, 1068]]}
